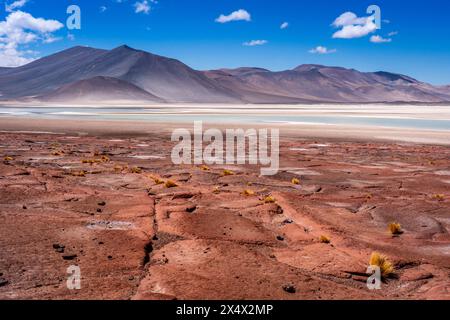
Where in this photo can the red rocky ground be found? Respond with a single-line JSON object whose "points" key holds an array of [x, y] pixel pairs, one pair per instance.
{"points": [[136, 239]]}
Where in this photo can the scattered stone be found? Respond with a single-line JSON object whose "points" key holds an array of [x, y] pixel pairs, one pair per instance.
{"points": [[3, 282], [99, 210], [289, 289], [59, 248], [24, 207], [191, 209], [183, 196], [102, 203], [69, 257], [280, 238]]}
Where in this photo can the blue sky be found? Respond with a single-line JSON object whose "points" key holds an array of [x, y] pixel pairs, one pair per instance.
{"points": [[414, 38]]}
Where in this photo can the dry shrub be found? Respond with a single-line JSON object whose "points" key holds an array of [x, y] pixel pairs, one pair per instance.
{"points": [[227, 172], [381, 261], [248, 192], [269, 199], [439, 197], [295, 181], [324, 239], [170, 184], [205, 168], [79, 173], [395, 228], [136, 170]]}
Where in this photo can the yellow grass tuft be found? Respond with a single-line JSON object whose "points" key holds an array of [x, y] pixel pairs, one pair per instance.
{"points": [[439, 197], [118, 169], [248, 193], [269, 199], [381, 261], [295, 181], [204, 168], [79, 173], [216, 190], [58, 153], [105, 159], [7, 158], [157, 180], [170, 184], [324, 239], [395, 228], [227, 172], [136, 170], [91, 161]]}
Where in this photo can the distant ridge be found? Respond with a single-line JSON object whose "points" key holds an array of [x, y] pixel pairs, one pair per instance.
{"points": [[124, 73]]}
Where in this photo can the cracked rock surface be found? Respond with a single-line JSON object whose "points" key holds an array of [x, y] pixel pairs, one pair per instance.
{"points": [[101, 203]]}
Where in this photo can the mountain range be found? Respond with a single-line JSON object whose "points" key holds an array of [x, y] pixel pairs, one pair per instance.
{"points": [[84, 74]]}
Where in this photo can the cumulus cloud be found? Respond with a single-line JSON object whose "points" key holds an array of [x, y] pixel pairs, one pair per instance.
{"points": [[255, 43], [351, 26], [379, 39], [284, 25], [239, 15], [15, 5], [19, 29], [322, 50]]}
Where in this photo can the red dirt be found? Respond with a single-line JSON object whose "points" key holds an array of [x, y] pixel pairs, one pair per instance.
{"points": [[135, 239]]}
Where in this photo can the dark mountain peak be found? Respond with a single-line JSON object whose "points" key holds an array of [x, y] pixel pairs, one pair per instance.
{"points": [[124, 47], [83, 73]]}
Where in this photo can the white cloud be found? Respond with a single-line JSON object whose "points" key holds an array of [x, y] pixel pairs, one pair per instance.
{"points": [[322, 50], [379, 39], [103, 9], [19, 29], [15, 5], [142, 7], [393, 33], [239, 15], [255, 43], [348, 18], [284, 25], [353, 26], [51, 39]]}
